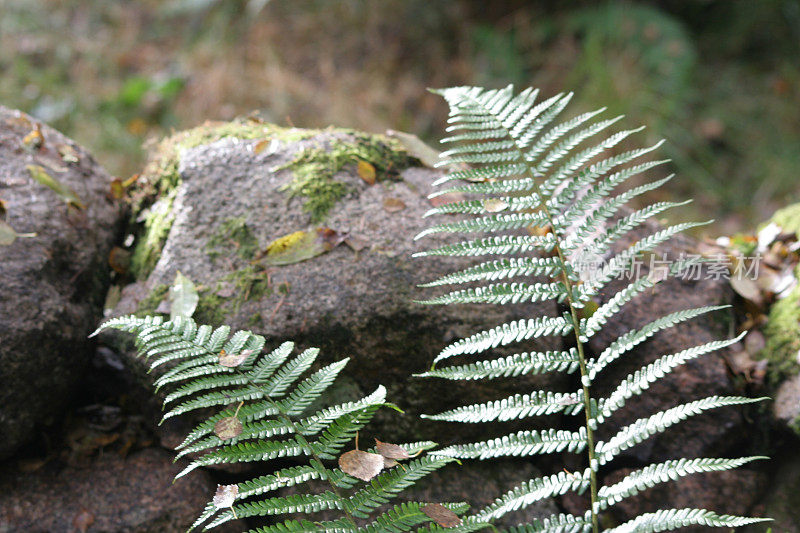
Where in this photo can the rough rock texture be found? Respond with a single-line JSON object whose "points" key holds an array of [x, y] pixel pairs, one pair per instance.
{"points": [[356, 304], [782, 501], [132, 495], [706, 435], [786, 407], [52, 286]]}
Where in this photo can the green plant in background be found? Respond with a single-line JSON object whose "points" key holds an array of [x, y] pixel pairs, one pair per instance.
{"points": [[530, 172], [264, 412]]}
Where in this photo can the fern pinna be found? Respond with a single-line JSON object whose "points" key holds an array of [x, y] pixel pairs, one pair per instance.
{"points": [[543, 194], [263, 415]]}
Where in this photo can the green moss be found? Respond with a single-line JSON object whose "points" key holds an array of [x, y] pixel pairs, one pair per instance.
{"points": [[149, 304], [783, 336], [233, 235], [788, 218], [211, 308], [314, 168], [157, 223]]}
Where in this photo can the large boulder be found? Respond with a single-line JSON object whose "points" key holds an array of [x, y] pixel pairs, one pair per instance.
{"points": [[52, 284], [111, 494], [231, 198]]}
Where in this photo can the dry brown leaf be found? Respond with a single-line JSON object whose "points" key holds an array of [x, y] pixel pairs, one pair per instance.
{"points": [[389, 463], [261, 145], [34, 140], [366, 171], [393, 205], [228, 428], [391, 451], [234, 359], [119, 259], [447, 198], [363, 465], [225, 496], [117, 189], [441, 515]]}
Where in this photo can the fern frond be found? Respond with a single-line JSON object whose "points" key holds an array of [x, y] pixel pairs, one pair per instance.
{"points": [[516, 407], [646, 427], [506, 334], [561, 523], [669, 519], [510, 366], [557, 179], [521, 444], [652, 475], [533, 491], [263, 401]]}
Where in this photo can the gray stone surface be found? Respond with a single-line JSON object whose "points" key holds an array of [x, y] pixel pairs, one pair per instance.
{"points": [[350, 304], [52, 286], [111, 494]]}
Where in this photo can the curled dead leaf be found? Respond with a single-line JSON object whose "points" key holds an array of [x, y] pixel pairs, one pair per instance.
{"points": [[441, 515], [391, 451], [225, 496], [366, 171], [228, 428], [363, 465], [393, 205], [232, 360]]}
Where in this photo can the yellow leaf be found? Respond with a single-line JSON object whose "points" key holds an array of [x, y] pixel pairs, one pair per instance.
{"points": [[301, 245], [68, 195], [366, 171]]}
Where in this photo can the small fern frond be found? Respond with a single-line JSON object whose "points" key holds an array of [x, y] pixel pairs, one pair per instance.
{"points": [[521, 444], [535, 490], [543, 195], [670, 519], [510, 366], [644, 428], [516, 407], [264, 403], [562, 523], [652, 475]]}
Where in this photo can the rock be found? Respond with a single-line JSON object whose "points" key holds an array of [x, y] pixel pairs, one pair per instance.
{"points": [[706, 435], [52, 285], [135, 494], [729, 492], [782, 500], [357, 300], [786, 407]]}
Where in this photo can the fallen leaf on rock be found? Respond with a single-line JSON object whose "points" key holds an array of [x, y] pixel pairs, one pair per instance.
{"points": [[363, 465], [441, 515], [427, 155], [301, 245], [63, 191], [447, 198], [3, 208], [495, 205], [67, 153], [119, 259], [83, 520], [225, 496], [34, 140], [8, 235], [117, 189], [393, 205], [366, 171], [747, 289], [183, 297], [391, 451], [228, 428], [263, 144], [232, 360], [355, 243]]}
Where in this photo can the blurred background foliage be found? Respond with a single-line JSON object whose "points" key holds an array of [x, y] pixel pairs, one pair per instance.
{"points": [[719, 79]]}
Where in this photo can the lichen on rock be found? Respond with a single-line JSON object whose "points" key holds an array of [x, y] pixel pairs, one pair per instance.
{"points": [[782, 333]]}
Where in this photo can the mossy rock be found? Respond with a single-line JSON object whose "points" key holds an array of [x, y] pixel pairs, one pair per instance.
{"points": [[782, 334], [314, 167]]}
